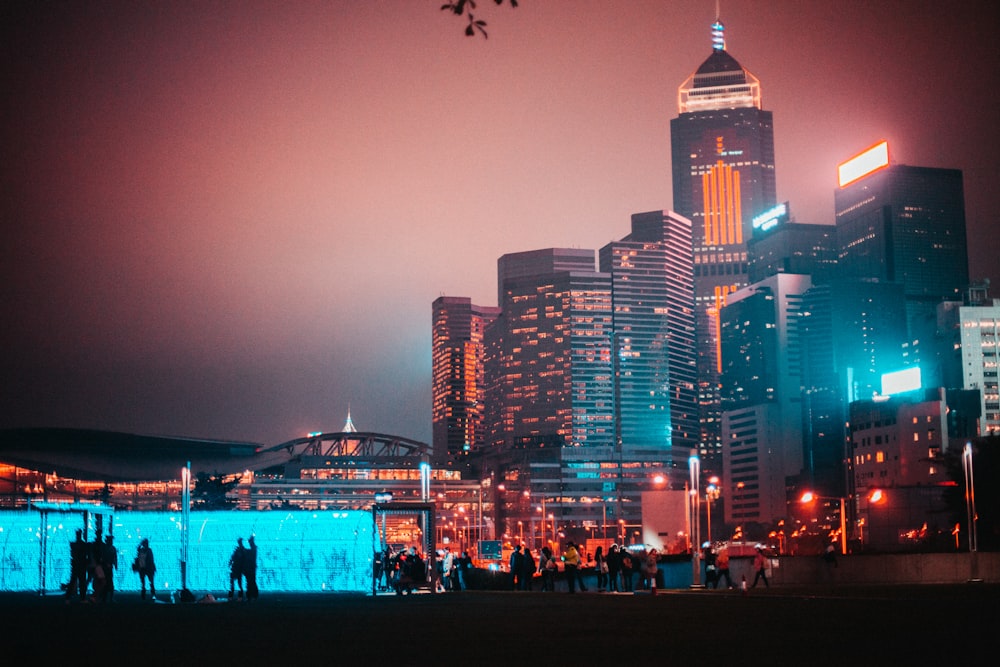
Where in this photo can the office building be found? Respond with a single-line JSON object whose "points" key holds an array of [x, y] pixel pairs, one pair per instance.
{"points": [[722, 147], [902, 224], [781, 245], [457, 374], [762, 352], [653, 304]]}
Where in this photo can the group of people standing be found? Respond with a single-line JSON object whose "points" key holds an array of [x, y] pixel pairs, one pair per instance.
{"points": [[615, 569], [243, 566], [92, 568]]}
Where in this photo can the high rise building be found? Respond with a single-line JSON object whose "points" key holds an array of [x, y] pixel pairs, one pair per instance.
{"points": [[762, 349], [549, 353], [781, 245], [590, 377], [852, 332], [653, 301], [902, 224], [458, 380], [972, 329], [722, 146]]}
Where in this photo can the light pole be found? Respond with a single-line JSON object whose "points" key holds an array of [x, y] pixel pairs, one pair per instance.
{"points": [[809, 496], [970, 494], [712, 492], [694, 470]]}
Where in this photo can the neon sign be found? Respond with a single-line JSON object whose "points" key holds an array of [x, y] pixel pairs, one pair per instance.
{"points": [[864, 163], [770, 218]]}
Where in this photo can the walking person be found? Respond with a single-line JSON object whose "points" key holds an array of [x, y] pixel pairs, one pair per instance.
{"points": [[236, 561], [601, 567], [145, 566], [760, 566], [722, 562]]}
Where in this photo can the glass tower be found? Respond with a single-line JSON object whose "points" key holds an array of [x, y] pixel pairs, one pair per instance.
{"points": [[722, 146], [458, 382]]}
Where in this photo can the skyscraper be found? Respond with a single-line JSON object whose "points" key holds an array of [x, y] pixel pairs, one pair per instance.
{"points": [[761, 394], [722, 146], [549, 353], [653, 304], [906, 225], [457, 362]]}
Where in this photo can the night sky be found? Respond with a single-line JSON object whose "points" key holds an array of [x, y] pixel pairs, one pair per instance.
{"points": [[229, 219]]}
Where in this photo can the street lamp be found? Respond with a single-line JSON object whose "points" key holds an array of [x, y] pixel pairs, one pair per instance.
{"points": [[809, 496], [970, 494], [874, 497], [712, 492], [694, 470]]}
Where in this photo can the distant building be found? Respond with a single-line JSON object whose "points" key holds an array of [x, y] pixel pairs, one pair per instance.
{"points": [[897, 445], [780, 245], [458, 374], [970, 333], [762, 352], [906, 225], [722, 147]]}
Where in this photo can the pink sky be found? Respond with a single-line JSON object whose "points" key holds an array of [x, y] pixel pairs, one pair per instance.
{"points": [[229, 219]]}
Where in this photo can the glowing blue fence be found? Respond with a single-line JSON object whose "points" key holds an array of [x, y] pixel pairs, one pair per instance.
{"points": [[296, 551]]}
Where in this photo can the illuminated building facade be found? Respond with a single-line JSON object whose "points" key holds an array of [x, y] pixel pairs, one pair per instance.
{"points": [[653, 301], [549, 353], [762, 351], [972, 329], [896, 445], [457, 397], [722, 146], [780, 245], [852, 332], [902, 224]]}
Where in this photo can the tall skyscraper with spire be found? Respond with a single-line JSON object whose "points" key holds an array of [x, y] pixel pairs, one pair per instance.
{"points": [[722, 146]]}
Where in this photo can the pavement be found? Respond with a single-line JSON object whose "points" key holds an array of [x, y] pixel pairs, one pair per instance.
{"points": [[835, 625]]}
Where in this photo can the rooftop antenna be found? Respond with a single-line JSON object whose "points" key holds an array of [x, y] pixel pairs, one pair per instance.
{"points": [[718, 31]]}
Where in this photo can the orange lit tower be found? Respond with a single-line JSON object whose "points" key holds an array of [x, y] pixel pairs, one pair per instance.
{"points": [[722, 145]]}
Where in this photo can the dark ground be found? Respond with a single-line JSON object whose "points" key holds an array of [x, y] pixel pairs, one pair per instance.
{"points": [[780, 626]]}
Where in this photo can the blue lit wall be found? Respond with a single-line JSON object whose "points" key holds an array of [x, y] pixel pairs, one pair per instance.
{"points": [[296, 550]]}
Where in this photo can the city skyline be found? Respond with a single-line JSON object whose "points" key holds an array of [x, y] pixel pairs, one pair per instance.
{"points": [[230, 220]]}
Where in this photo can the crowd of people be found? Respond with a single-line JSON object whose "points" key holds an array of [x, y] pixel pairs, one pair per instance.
{"points": [[406, 570], [92, 569]]}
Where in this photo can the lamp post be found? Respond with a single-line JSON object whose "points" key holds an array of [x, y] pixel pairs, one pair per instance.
{"points": [[809, 496], [970, 494], [694, 470], [712, 492]]}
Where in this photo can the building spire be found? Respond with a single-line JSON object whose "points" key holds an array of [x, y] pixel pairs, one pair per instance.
{"points": [[718, 32], [349, 425]]}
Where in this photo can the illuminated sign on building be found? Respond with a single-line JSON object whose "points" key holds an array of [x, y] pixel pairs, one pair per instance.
{"points": [[771, 217], [899, 382], [864, 163]]}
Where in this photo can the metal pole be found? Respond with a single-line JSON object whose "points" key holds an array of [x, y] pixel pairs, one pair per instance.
{"points": [[843, 529], [970, 495], [694, 469]]}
